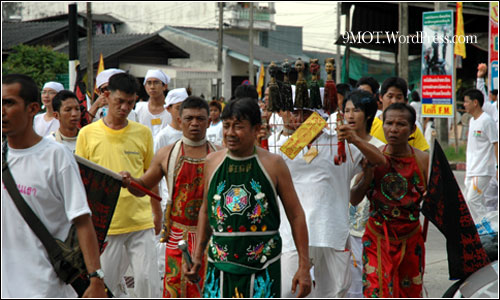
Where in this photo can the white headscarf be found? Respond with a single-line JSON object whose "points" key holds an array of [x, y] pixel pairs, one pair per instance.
{"points": [[176, 96], [104, 76], [53, 85], [158, 74]]}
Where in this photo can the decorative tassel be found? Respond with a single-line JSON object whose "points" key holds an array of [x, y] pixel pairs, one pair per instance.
{"points": [[274, 104], [330, 100], [315, 97], [286, 88], [301, 93]]}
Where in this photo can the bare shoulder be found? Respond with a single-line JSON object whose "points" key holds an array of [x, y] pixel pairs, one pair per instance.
{"points": [[421, 155], [213, 160], [163, 152], [273, 163]]}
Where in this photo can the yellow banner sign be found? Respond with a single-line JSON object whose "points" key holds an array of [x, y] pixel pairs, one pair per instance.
{"points": [[303, 135], [437, 109]]}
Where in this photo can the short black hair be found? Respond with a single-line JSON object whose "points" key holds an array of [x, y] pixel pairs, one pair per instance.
{"points": [[60, 97], [372, 82], [344, 89], [475, 94], [29, 91], [415, 97], [123, 82], [403, 107], [363, 100], [216, 104], [396, 82], [494, 92], [194, 102], [246, 91], [243, 109]]}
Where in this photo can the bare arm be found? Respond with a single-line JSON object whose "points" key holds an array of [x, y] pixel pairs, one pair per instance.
{"points": [[297, 219], [88, 243], [363, 180], [370, 152]]}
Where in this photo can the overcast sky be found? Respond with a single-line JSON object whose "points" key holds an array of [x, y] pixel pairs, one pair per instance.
{"points": [[318, 20]]}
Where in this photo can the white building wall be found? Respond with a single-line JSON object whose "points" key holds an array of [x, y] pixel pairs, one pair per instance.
{"points": [[139, 17]]}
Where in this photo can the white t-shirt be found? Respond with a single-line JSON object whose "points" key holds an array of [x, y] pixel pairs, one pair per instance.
{"points": [[480, 155], [165, 137], [48, 178], [358, 215], [275, 123], [323, 190], [42, 127], [153, 122], [214, 133]]}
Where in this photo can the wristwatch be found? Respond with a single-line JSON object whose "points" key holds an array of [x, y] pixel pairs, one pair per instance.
{"points": [[98, 273]]}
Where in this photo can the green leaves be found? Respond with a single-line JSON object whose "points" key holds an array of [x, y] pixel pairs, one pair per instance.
{"points": [[39, 62]]}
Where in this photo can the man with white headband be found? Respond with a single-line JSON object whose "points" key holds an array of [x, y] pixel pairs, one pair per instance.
{"points": [[152, 113], [99, 108], [46, 123]]}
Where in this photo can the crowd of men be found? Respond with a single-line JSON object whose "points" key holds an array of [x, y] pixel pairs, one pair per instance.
{"points": [[256, 223]]}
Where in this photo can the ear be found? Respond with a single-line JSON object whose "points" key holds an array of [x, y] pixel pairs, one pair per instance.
{"points": [[413, 129], [107, 93], [33, 108], [57, 115]]}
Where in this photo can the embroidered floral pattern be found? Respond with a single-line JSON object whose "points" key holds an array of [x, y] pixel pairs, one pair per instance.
{"points": [[220, 216], [256, 252], [261, 206], [219, 252]]}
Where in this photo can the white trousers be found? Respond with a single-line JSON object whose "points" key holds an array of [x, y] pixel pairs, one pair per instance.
{"points": [[332, 273], [138, 250], [356, 262], [474, 196]]}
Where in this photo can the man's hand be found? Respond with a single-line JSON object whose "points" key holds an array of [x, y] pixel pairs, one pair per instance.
{"points": [[367, 170], [96, 289], [126, 178], [303, 279], [482, 71], [192, 273], [347, 132]]}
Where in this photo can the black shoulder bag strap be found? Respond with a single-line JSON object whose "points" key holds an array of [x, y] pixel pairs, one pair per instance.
{"points": [[48, 241]]}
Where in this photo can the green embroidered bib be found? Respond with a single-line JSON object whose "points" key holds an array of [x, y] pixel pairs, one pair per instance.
{"points": [[244, 216]]}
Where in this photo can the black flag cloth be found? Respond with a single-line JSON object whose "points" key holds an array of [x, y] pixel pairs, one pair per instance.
{"points": [[445, 207], [103, 188]]}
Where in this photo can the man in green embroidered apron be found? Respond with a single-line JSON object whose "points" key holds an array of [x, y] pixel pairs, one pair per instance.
{"points": [[182, 163], [240, 213]]}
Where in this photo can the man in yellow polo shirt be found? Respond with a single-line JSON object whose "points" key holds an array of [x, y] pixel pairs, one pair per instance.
{"points": [[394, 90], [119, 144]]}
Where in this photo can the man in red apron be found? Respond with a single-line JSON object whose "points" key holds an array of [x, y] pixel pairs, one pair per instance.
{"points": [[182, 163]]}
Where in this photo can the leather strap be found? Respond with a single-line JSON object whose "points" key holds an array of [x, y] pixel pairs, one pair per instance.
{"points": [[48, 241]]}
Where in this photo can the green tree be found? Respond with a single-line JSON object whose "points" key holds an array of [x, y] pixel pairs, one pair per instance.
{"points": [[39, 62]]}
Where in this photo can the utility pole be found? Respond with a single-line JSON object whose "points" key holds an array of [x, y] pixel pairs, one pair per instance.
{"points": [[73, 45], [442, 124], [347, 52], [90, 52], [338, 69], [250, 42], [219, 50], [403, 47]]}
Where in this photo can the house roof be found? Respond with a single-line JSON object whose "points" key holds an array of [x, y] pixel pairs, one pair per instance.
{"points": [[147, 48], [31, 33], [236, 47], [100, 18]]}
